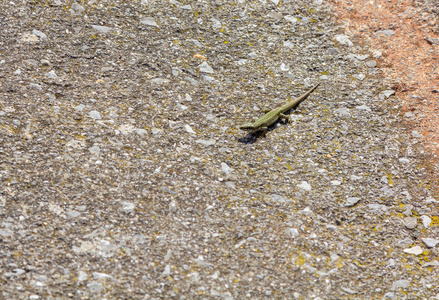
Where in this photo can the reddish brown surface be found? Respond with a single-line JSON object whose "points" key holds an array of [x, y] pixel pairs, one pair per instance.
{"points": [[409, 60]]}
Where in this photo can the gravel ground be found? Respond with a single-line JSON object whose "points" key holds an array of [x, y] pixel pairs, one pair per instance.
{"points": [[123, 174], [406, 33]]}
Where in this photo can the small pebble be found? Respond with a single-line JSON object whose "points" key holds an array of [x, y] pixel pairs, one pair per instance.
{"points": [[141, 132], [371, 63], [386, 32], [417, 134], [19, 271], [430, 243], [344, 40], [362, 57], [78, 8], [95, 287], [189, 129], [167, 271], [389, 295], [343, 111], [51, 75], [433, 263], [426, 221], [363, 107], [150, 21], [306, 211], [95, 115], [305, 186], [388, 93], [128, 207], [400, 284], [225, 168], [404, 160], [416, 250], [359, 76], [39, 34], [206, 143], [73, 214], [94, 150], [410, 222], [103, 29], [290, 19], [351, 201], [292, 232]]}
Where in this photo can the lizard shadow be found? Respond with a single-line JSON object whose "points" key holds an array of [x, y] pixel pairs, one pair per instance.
{"points": [[252, 137]]}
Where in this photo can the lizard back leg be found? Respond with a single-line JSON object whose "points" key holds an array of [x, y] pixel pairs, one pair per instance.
{"points": [[263, 130]]}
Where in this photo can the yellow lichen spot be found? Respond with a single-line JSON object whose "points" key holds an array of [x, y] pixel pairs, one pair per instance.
{"points": [[434, 220], [226, 42], [389, 177], [339, 264], [289, 167], [236, 280], [300, 261], [249, 44], [425, 256]]}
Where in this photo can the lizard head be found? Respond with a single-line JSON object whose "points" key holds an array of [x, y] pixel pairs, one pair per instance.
{"points": [[247, 127]]}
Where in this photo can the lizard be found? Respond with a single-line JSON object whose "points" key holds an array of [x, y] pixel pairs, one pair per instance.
{"points": [[272, 116]]}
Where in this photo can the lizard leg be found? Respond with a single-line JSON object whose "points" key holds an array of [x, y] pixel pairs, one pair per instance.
{"points": [[285, 117], [263, 130]]}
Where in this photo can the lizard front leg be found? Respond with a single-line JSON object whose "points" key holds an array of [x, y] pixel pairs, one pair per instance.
{"points": [[286, 118], [263, 130]]}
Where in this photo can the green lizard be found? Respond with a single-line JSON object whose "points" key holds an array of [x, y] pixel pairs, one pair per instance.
{"points": [[272, 116]]}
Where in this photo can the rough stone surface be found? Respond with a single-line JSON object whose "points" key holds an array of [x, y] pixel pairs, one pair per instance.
{"points": [[123, 174], [410, 222]]}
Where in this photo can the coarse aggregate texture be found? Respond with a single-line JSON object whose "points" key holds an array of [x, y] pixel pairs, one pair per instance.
{"points": [[407, 54], [123, 174]]}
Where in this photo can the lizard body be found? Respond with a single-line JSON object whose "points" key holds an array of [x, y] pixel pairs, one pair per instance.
{"points": [[272, 116]]}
